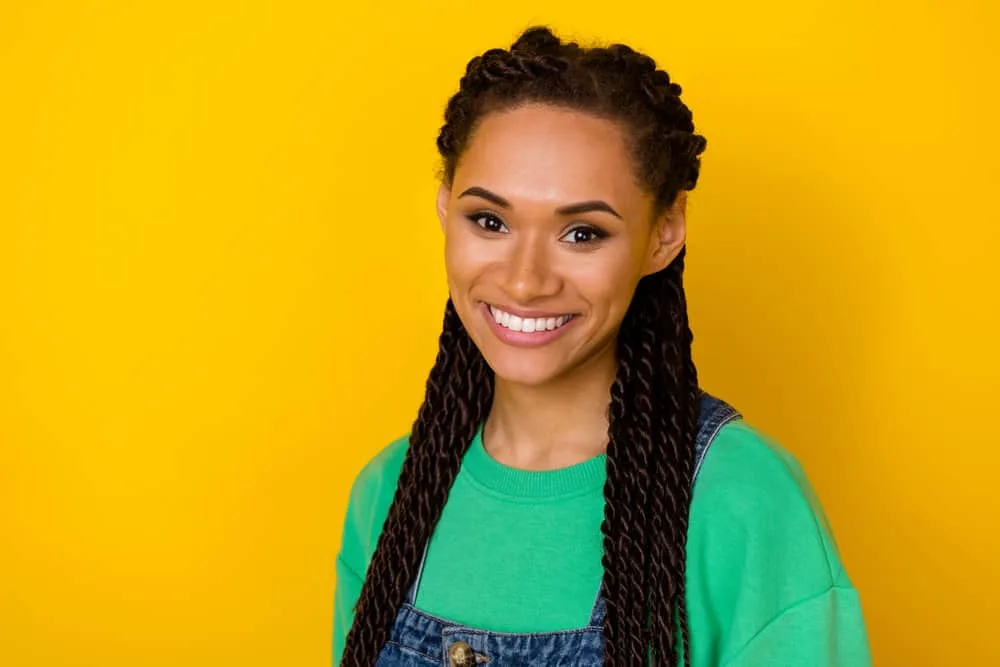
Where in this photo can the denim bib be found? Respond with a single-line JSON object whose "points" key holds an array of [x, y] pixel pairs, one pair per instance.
{"points": [[419, 639]]}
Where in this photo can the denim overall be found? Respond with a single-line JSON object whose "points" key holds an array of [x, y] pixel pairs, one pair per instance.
{"points": [[421, 640]]}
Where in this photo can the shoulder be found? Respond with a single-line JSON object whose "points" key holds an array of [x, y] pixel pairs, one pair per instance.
{"points": [[748, 460], [381, 470], [368, 504], [755, 494], [764, 573]]}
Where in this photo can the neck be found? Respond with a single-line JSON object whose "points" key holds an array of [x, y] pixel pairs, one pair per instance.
{"points": [[558, 424]]}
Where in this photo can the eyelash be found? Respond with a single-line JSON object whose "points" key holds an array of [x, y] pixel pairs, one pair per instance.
{"points": [[596, 233]]}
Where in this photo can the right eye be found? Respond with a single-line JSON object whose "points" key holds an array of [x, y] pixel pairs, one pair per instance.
{"points": [[488, 222]]}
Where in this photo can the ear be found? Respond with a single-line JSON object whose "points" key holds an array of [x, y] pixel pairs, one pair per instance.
{"points": [[444, 194], [669, 234]]}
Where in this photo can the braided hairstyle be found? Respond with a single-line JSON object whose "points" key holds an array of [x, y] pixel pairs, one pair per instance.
{"points": [[654, 398]]}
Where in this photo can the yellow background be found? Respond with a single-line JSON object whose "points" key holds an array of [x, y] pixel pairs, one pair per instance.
{"points": [[221, 286]]}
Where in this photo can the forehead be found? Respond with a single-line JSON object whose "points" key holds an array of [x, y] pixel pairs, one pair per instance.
{"points": [[545, 154]]}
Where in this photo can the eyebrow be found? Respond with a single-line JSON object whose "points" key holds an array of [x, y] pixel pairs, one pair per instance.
{"points": [[569, 209]]}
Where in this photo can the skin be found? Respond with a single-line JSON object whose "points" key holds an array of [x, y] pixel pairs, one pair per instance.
{"points": [[549, 408]]}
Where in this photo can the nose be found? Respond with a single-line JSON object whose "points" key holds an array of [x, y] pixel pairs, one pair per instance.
{"points": [[530, 272]]}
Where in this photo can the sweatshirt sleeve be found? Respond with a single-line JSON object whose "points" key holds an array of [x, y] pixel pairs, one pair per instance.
{"points": [[367, 507], [345, 594], [766, 584], [825, 630]]}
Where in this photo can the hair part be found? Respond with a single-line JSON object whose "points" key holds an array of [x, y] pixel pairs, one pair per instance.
{"points": [[653, 405]]}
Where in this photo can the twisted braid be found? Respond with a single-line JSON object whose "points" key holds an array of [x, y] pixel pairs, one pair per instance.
{"points": [[654, 400], [653, 414], [626, 521], [690, 389], [459, 391]]}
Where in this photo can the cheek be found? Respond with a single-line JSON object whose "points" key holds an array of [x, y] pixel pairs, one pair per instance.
{"points": [[459, 261], [467, 256], [608, 282], [453, 244]]}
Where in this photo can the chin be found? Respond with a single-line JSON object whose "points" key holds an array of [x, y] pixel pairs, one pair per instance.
{"points": [[528, 368]]}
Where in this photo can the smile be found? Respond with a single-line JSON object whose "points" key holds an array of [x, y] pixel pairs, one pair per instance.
{"points": [[528, 324]]}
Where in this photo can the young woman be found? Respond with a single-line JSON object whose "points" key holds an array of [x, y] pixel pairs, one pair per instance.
{"points": [[568, 494]]}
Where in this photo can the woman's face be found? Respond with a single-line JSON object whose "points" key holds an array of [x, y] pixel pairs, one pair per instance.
{"points": [[547, 233]]}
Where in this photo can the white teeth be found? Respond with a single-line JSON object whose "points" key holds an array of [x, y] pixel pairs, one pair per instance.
{"points": [[530, 324]]}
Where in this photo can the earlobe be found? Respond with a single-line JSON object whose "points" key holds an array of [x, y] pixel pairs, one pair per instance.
{"points": [[444, 194]]}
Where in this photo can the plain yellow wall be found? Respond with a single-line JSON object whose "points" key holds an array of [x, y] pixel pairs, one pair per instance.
{"points": [[220, 285]]}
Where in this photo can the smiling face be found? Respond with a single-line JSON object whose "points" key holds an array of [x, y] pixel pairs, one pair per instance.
{"points": [[547, 233]]}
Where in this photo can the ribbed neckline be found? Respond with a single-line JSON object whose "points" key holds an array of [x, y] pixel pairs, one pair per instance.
{"points": [[519, 483]]}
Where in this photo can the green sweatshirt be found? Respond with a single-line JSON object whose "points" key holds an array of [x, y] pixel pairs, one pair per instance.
{"points": [[520, 551]]}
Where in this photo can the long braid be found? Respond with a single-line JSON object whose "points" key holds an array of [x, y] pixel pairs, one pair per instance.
{"points": [[678, 394], [658, 426], [459, 392], [625, 524], [692, 391], [654, 398]]}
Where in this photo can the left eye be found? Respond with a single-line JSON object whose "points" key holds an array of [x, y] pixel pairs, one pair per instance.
{"points": [[582, 235]]}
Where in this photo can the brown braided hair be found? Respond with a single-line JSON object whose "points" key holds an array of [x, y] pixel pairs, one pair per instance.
{"points": [[654, 398]]}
